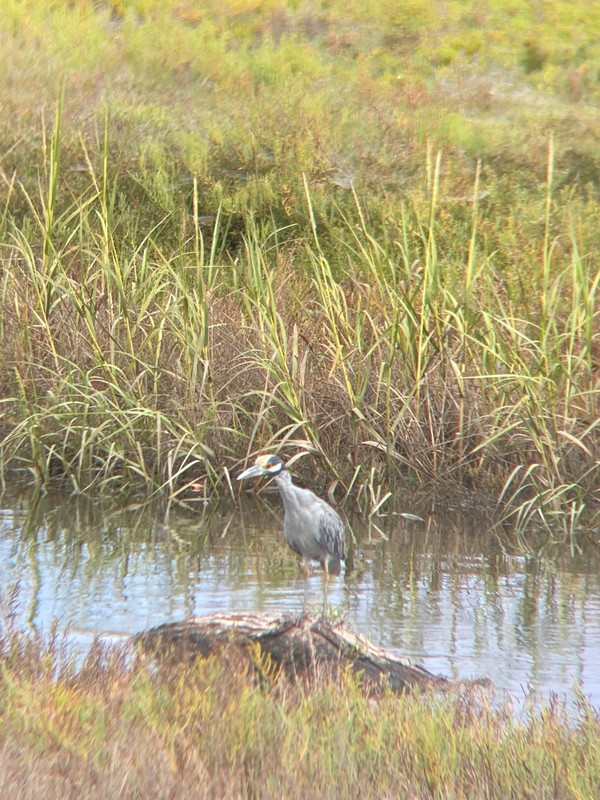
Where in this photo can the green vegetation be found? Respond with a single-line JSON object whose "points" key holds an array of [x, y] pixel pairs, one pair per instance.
{"points": [[364, 230], [117, 727]]}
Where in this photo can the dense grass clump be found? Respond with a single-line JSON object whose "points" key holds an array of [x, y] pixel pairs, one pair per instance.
{"points": [[116, 726], [364, 232]]}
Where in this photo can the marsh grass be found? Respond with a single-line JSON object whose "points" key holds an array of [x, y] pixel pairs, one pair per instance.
{"points": [[149, 366], [88, 727], [301, 268]]}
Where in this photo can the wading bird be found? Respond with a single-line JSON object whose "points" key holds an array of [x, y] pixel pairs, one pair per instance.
{"points": [[311, 527]]}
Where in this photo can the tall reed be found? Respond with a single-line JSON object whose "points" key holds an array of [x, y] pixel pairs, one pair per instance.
{"points": [[148, 363]]}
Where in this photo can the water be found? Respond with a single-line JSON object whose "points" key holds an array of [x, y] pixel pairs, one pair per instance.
{"points": [[445, 593]]}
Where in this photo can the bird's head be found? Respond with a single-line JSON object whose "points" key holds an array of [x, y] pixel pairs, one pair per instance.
{"points": [[264, 466]]}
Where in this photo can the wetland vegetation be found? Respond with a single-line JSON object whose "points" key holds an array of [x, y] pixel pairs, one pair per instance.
{"points": [[362, 231], [365, 232]]}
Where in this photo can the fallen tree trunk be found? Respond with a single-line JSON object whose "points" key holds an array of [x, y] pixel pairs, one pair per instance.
{"points": [[301, 647]]}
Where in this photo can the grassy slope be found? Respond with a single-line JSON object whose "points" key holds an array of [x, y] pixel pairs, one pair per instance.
{"points": [[357, 229]]}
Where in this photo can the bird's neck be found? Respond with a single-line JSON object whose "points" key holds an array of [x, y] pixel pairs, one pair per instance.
{"points": [[283, 478], [284, 484]]}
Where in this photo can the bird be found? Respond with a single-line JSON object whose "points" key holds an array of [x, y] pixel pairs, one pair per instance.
{"points": [[312, 528]]}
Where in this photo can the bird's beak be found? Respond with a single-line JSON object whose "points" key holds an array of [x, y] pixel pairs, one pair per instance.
{"points": [[252, 472]]}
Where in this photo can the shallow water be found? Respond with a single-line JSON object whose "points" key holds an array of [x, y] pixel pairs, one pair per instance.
{"points": [[444, 593]]}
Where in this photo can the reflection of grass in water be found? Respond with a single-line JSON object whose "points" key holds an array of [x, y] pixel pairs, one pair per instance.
{"points": [[464, 594], [87, 539], [213, 732]]}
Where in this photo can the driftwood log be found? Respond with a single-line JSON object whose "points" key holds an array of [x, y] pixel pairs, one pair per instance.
{"points": [[301, 647]]}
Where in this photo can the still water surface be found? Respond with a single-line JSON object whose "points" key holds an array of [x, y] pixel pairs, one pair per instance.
{"points": [[445, 593]]}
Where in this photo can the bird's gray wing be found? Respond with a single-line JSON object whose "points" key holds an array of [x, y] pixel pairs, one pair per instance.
{"points": [[331, 532]]}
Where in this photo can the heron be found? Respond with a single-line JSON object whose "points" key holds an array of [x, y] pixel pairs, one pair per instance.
{"points": [[311, 527]]}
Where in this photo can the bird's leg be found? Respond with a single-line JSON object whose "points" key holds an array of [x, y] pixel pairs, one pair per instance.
{"points": [[306, 569], [326, 570]]}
